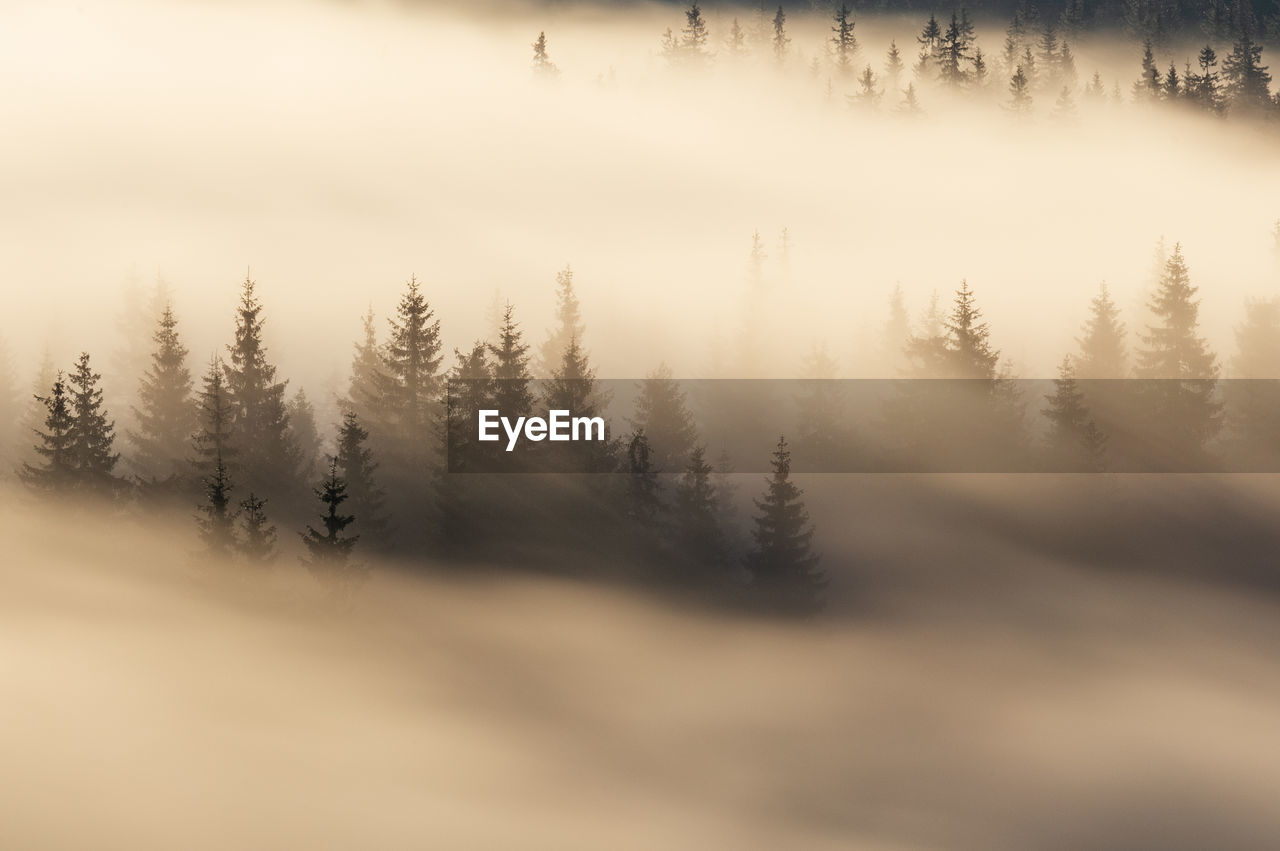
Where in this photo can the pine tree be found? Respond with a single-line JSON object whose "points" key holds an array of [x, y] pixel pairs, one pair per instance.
{"points": [[411, 383], [1206, 88], [1102, 348], [697, 532], [736, 42], [783, 566], [693, 38], [356, 464], [470, 391], [574, 388], [568, 325], [329, 552], [512, 395], [56, 447], [367, 377], [1148, 85], [1067, 66], [92, 432], [1015, 41], [1048, 57], [893, 67], [952, 56], [217, 523], [1074, 442], [1171, 88], [662, 416], [1248, 82], [644, 494], [1019, 93], [1181, 407], [868, 95], [543, 67], [1064, 109], [1095, 91], [930, 39], [781, 42], [257, 544], [980, 75], [212, 442], [843, 43], [166, 417], [261, 421], [910, 103], [304, 434]]}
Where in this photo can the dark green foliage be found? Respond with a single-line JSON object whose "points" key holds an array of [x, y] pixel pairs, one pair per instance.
{"points": [[782, 565], [257, 544], [57, 471], [356, 464], [166, 415], [329, 552], [267, 461], [662, 415]]}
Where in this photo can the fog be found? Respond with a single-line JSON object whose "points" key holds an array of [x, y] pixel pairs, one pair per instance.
{"points": [[335, 149]]}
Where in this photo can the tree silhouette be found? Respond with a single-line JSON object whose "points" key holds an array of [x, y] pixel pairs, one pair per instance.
{"points": [[213, 440], [697, 532], [663, 416], [92, 432], [568, 325], [1074, 442], [257, 542], [216, 521], [542, 65], [843, 42], [356, 464], [167, 414], [512, 395], [783, 566], [56, 446], [329, 552]]}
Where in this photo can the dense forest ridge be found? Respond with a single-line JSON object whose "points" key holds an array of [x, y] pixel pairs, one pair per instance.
{"points": [[1035, 61], [240, 450]]}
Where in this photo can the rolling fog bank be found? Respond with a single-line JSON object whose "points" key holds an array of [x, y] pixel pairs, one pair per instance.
{"points": [[174, 702]]}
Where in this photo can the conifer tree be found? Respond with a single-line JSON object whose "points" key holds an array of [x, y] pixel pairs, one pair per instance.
{"points": [[662, 417], [893, 67], [1019, 93], [257, 543], [1064, 109], [411, 383], [1015, 41], [952, 55], [213, 440], [1074, 442], [357, 466], [781, 43], [868, 95], [930, 39], [166, 417], [267, 457], [979, 76], [512, 395], [697, 532], [329, 552], [1102, 348], [1067, 66], [736, 42], [543, 67], [1095, 91], [304, 434], [568, 325], [470, 391], [1048, 57], [1171, 88], [92, 431], [1182, 408], [573, 387], [217, 521], [910, 103], [57, 471], [34, 414], [643, 497], [843, 43], [1206, 88], [693, 38], [367, 377], [1147, 86], [1248, 82], [783, 566]]}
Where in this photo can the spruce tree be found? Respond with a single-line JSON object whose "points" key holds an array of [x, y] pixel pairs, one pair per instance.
{"points": [[867, 95], [736, 42], [643, 506], [568, 325], [512, 394], [1181, 407], [329, 552], [1074, 442], [257, 544], [212, 441], [357, 466], [470, 391], [697, 532], [216, 522], [979, 75], [92, 432], [364, 390], [1015, 40], [1064, 108], [1147, 86], [167, 414], [930, 39], [411, 381], [662, 416], [1206, 88], [781, 42], [1019, 93], [952, 55], [1171, 88], [1102, 347], [893, 67], [910, 103], [693, 38], [782, 565], [1248, 82], [304, 434], [267, 457], [843, 43], [56, 473]]}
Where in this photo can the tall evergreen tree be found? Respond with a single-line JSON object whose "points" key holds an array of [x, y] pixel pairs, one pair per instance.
{"points": [[781, 42], [736, 42], [512, 394], [1248, 82], [212, 441], [92, 432], [1074, 442], [693, 38], [662, 416], [357, 466], [167, 414], [411, 382], [643, 506], [844, 45], [267, 457], [364, 390], [1205, 88], [893, 67], [1182, 409], [783, 566], [568, 326], [1102, 348], [57, 472], [1147, 86], [1019, 93], [952, 55], [930, 39], [698, 536], [543, 67]]}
